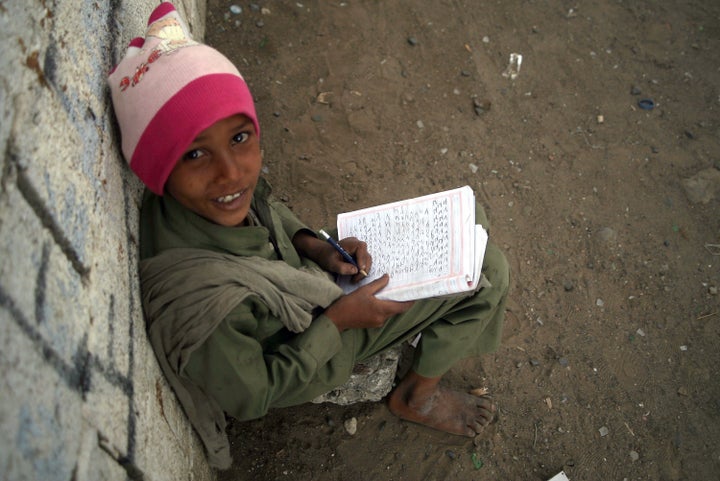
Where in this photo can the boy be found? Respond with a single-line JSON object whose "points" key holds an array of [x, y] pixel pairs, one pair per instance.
{"points": [[241, 307]]}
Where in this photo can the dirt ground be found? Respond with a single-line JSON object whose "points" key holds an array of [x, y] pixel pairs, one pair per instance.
{"points": [[609, 215]]}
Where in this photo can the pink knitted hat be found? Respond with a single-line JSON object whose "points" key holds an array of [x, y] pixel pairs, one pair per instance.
{"points": [[166, 90]]}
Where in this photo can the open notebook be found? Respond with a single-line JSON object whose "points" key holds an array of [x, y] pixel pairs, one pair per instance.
{"points": [[429, 245]]}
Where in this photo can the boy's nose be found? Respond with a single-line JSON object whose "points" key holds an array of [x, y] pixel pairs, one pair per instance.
{"points": [[228, 166]]}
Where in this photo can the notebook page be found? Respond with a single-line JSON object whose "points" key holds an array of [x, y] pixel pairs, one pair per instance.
{"points": [[419, 242]]}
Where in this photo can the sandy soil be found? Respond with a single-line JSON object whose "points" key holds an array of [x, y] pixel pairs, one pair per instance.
{"points": [[608, 213]]}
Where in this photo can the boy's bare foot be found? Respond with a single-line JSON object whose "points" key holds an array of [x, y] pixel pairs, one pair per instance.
{"points": [[422, 400]]}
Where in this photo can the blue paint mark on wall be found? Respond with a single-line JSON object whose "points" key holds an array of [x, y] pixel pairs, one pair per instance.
{"points": [[40, 441]]}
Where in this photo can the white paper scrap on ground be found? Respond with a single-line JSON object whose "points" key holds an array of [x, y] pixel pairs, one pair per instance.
{"points": [[513, 68], [559, 477]]}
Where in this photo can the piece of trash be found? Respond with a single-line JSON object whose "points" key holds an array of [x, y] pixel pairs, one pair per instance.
{"points": [[513, 68], [600, 119], [548, 401], [324, 98], [477, 462], [646, 104], [480, 391], [561, 476], [604, 431], [713, 249], [683, 348], [640, 332]]}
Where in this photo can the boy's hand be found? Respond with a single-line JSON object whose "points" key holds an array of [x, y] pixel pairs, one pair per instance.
{"points": [[357, 249], [325, 255], [362, 310]]}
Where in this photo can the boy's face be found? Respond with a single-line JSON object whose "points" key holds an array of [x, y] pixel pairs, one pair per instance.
{"points": [[218, 174]]}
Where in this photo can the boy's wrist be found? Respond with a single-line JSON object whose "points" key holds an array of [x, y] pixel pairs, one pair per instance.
{"points": [[306, 243]]}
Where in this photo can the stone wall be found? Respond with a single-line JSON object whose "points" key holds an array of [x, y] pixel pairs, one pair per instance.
{"points": [[82, 397]]}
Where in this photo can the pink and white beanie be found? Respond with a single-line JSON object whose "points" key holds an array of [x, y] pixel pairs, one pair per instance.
{"points": [[166, 90]]}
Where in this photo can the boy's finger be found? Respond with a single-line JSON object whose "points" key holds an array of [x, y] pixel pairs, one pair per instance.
{"points": [[378, 284]]}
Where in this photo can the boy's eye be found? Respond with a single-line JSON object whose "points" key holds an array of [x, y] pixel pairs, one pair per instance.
{"points": [[193, 154], [240, 137]]}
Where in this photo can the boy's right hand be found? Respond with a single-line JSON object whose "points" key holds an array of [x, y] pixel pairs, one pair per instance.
{"points": [[362, 310]]}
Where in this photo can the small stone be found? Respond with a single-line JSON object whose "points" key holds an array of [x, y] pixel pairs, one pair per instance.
{"points": [[634, 456], [606, 234], [473, 168], [481, 106], [464, 73], [683, 348], [713, 291], [518, 365], [351, 426], [450, 454], [599, 302], [604, 431], [568, 286], [682, 391], [486, 39], [600, 119], [236, 9], [420, 124], [412, 41], [640, 332], [317, 118], [259, 24], [635, 90], [563, 362], [534, 362]]}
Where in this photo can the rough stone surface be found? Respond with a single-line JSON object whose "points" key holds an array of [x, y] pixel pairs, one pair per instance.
{"points": [[371, 380], [703, 187], [82, 395]]}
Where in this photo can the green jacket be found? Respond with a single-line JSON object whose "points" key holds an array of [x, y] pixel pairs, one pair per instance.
{"points": [[251, 334]]}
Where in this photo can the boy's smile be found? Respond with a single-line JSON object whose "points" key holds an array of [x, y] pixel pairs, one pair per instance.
{"points": [[218, 174]]}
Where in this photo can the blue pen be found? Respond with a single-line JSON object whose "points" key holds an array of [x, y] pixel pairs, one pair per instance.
{"points": [[342, 251]]}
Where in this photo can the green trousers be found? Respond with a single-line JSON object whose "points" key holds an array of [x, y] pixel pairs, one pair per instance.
{"points": [[452, 329]]}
